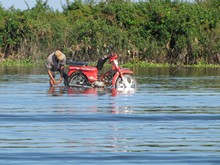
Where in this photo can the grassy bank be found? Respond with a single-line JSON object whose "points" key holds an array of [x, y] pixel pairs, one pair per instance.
{"points": [[20, 63], [174, 32], [29, 63], [138, 63]]}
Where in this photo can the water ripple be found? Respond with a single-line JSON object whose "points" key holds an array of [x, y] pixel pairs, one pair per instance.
{"points": [[103, 117]]}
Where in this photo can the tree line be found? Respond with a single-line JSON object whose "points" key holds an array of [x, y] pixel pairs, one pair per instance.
{"points": [[157, 31]]}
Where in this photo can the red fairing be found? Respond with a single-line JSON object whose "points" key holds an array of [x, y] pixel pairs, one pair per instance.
{"points": [[90, 72]]}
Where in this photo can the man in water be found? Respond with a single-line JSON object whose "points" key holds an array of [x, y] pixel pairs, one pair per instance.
{"points": [[56, 62]]}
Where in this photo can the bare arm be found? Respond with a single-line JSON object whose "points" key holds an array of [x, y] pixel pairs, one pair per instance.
{"points": [[52, 80]]}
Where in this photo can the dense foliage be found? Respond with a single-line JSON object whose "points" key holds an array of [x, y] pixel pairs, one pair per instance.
{"points": [[162, 31]]}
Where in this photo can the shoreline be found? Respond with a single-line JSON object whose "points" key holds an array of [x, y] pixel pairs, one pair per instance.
{"points": [[140, 64]]}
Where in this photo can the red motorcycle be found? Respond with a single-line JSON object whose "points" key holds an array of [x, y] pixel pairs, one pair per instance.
{"points": [[82, 75]]}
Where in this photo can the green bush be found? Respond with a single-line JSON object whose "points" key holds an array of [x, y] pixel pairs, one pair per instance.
{"points": [[158, 31]]}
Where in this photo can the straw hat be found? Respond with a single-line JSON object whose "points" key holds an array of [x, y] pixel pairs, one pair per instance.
{"points": [[59, 55]]}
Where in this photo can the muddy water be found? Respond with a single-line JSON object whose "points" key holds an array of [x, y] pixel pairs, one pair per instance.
{"points": [[172, 118]]}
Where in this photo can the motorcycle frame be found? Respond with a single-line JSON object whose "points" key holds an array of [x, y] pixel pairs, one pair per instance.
{"points": [[91, 72]]}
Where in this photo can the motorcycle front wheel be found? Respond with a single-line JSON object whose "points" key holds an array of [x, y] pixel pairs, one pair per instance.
{"points": [[129, 83], [78, 80]]}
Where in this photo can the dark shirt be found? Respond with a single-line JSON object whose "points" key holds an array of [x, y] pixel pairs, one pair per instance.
{"points": [[53, 63]]}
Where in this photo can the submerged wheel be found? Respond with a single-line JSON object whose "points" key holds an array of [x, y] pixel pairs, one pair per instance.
{"points": [[129, 82], [78, 79]]}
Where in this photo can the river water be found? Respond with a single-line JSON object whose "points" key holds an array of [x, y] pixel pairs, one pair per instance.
{"points": [[172, 118]]}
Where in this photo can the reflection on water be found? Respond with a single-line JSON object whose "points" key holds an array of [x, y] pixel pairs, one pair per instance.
{"points": [[172, 118], [72, 91]]}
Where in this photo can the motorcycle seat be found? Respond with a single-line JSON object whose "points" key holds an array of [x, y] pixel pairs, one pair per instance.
{"points": [[74, 63]]}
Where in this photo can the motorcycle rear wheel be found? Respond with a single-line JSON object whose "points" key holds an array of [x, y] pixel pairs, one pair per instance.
{"points": [[131, 83], [78, 80]]}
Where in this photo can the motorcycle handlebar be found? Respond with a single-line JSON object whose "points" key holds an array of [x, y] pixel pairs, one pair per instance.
{"points": [[112, 56]]}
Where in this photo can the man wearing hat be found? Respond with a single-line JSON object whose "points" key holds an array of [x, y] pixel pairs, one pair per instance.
{"points": [[56, 62]]}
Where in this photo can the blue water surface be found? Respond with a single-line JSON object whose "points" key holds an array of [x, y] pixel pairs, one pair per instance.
{"points": [[169, 119]]}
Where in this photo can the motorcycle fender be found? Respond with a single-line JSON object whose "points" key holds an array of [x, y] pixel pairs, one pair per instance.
{"points": [[125, 71], [122, 71], [71, 72]]}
